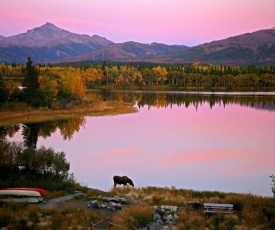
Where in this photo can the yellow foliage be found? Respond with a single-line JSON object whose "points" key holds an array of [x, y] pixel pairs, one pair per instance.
{"points": [[42, 80], [72, 83], [160, 73]]}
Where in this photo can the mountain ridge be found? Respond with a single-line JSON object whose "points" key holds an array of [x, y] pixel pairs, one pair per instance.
{"points": [[250, 48], [129, 50], [49, 43], [46, 35]]}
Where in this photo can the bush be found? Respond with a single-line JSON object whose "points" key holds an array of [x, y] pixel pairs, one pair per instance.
{"points": [[140, 215]]}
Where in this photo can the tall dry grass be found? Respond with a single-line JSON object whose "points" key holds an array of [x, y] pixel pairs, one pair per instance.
{"points": [[250, 211], [20, 112]]}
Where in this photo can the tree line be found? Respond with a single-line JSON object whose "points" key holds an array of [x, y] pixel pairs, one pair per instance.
{"points": [[54, 86]]}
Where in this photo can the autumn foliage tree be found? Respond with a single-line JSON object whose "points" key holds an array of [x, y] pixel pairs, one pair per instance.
{"points": [[58, 85], [47, 90], [72, 84], [160, 74]]}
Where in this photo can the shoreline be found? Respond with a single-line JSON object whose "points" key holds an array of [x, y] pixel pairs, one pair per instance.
{"points": [[87, 108]]}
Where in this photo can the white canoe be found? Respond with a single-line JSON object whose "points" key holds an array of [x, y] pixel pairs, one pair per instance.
{"points": [[19, 193], [33, 200], [40, 190]]}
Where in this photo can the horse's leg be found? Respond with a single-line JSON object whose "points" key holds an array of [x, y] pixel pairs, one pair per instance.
{"points": [[115, 185]]}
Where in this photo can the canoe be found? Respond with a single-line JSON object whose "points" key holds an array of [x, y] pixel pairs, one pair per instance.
{"points": [[40, 190], [33, 200], [13, 192]]}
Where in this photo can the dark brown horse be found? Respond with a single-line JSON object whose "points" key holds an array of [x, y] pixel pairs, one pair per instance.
{"points": [[122, 180]]}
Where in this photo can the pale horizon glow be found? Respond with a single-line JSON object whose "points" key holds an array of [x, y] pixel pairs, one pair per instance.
{"points": [[183, 22]]}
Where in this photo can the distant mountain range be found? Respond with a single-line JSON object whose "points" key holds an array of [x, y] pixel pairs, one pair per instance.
{"points": [[127, 51], [49, 43], [257, 48]]}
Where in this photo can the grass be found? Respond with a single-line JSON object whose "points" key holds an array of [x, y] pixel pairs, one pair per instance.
{"points": [[251, 212], [22, 113], [25, 216]]}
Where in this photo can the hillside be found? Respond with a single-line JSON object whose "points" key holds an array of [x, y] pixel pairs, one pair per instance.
{"points": [[47, 44], [250, 48], [127, 51]]}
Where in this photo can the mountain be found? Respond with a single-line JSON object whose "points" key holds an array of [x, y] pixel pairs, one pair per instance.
{"points": [[48, 43], [1, 37], [127, 51], [257, 48]]}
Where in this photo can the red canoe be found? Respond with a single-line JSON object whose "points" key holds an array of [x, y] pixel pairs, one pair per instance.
{"points": [[40, 190]]}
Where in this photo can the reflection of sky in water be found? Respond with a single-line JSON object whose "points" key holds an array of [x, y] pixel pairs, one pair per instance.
{"points": [[227, 149]]}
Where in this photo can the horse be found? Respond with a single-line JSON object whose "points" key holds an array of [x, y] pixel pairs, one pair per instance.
{"points": [[122, 180]]}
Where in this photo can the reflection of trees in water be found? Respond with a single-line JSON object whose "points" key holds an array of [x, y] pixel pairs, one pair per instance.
{"points": [[157, 99], [32, 131], [30, 134], [69, 127], [8, 131]]}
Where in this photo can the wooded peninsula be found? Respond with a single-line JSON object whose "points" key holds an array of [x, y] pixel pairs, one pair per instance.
{"points": [[32, 88]]}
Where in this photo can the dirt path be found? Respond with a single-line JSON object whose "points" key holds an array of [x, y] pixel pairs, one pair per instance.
{"points": [[55, 203], [69, 201]]}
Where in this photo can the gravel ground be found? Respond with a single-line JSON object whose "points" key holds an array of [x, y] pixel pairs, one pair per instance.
{"points": [[69, 201]]}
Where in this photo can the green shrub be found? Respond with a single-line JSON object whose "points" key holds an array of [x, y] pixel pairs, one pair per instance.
{"points": [[141, 219]]}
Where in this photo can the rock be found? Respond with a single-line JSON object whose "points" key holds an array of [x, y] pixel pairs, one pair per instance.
{"points": [[170, 218], [117, 206], [115, 199], [164, 217], [95, 204]]}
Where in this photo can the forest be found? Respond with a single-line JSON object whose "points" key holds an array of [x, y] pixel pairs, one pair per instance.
{"points": [[55, 86]]}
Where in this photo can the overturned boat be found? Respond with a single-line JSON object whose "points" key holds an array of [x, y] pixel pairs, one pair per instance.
{"points": [[30, 195]]}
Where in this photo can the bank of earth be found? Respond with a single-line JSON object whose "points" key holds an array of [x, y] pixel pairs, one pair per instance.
{"points": [[22, 113]]}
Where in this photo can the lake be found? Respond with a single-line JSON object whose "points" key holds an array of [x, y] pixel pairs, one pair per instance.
{"points": [[201, 141]]}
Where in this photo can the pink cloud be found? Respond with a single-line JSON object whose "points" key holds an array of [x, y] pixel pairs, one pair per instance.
{"points": [[225, 161]]}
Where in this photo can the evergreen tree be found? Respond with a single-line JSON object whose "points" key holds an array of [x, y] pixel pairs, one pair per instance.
{"points": [[30, 83], [4, 92]]}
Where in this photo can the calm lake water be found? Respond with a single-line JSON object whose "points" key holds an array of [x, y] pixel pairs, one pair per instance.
{"points": [[217, 142]]}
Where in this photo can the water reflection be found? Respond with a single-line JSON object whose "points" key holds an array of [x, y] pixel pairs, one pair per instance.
{"points": [[163, 99], [204, 142], [31, 131], [8, 131], [68, 128]]}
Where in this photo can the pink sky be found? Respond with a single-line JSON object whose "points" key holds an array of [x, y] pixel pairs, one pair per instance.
{"points": [[186, 22]]}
